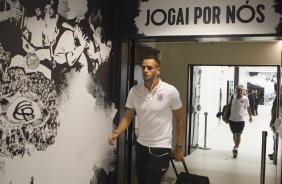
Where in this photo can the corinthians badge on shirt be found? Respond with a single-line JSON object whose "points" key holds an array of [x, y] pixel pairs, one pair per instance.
{"points": [[160, 97]]}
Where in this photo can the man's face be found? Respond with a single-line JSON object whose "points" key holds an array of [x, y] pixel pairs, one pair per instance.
{"points": [[47, 10], [150, 69], [71, 9], [239, 91]]}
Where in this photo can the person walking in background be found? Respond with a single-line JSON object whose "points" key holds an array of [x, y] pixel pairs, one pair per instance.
{"points": [[272, 121], [256, 101], [251, 98], [239, 104], [155, 103]]}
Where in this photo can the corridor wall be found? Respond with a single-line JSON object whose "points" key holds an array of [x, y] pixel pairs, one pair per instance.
{"points": [[56, 91]]}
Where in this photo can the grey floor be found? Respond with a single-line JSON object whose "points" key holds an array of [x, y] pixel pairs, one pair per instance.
{"points": [[218, 163]]}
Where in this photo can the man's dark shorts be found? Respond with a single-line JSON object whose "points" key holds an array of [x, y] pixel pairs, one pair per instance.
{"points": [[236, 126]]}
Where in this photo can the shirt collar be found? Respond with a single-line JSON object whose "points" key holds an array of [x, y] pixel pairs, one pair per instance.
{"points": [[155, 88]]}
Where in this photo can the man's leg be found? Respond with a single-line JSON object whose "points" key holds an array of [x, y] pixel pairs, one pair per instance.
{"points": [[141, 162], [237, 131], [237, 139], [158, 164]]}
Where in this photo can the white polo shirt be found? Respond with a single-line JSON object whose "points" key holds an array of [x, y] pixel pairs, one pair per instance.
{"points": [[154, 113], [238, 108]]}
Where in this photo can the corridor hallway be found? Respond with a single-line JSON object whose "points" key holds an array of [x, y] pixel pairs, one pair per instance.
{"points": [[218, 163]]}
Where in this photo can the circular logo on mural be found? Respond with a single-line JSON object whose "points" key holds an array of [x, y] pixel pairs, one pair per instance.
{"points": [[23, 110], [28, 112]]}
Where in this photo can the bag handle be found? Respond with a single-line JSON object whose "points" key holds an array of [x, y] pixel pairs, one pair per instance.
{"points": [[174, 168]]}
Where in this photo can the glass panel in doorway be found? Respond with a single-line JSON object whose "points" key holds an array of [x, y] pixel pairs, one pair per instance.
{"points": [[195, 107]]}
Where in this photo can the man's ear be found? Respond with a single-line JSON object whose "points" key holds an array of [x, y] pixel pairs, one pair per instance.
{"points": [[158, 72]]}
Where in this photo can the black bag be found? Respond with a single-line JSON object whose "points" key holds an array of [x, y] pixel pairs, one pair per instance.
{"points": [[188, 178], [226, 111]]}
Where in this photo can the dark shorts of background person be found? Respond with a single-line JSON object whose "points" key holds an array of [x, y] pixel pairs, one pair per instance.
{"points": [[236, 126], [151, 163]]}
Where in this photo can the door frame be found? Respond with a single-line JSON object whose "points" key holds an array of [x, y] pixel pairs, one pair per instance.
{"points": [[125, 145]]}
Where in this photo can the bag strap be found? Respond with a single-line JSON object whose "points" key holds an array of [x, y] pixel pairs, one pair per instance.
{"points": [[231, 99]]}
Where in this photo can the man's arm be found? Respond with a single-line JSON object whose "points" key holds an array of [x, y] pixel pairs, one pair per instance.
{"points": [[123, 124], [180, 127]]}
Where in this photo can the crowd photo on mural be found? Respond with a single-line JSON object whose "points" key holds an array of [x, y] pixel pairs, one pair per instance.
{"points": [[44, 44]]}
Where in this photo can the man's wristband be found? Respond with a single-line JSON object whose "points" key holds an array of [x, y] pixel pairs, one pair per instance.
{"points": [[178, 146]]}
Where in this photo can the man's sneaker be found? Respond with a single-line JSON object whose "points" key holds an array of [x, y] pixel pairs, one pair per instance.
{"points": [[235, 152], [270, 155]]}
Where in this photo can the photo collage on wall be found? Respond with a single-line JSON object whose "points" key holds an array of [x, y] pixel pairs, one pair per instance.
{"points": [[53, 104]]}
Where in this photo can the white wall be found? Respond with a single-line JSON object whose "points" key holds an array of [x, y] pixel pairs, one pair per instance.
{"points": [[213, 79]]}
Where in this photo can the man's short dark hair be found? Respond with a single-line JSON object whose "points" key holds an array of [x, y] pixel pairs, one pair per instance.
{"points": [[154, 58]]}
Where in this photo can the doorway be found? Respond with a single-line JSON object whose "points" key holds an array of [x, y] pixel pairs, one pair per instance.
{"points": [[207, 95], [172, 70]]}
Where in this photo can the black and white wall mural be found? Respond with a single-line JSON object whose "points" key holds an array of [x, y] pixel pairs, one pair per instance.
{"points": [[56, 108], [203, 18], [278, 9]]}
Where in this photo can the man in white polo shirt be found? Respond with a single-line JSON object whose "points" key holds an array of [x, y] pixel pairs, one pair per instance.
{"points": [[239, 105], [155, 103]]}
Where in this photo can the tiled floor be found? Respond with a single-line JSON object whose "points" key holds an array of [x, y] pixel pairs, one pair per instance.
{"points": [[218, 163]]}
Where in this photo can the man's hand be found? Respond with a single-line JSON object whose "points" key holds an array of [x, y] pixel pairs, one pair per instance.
{"points": [[177, 154], [225, 119], [15, 13], [113, 137]]}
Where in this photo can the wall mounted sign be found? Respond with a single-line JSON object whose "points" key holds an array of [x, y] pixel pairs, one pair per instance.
{"points": [[209, 17]]}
